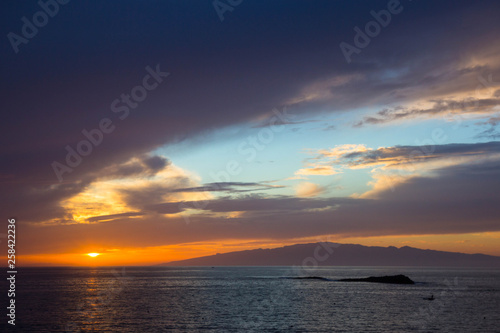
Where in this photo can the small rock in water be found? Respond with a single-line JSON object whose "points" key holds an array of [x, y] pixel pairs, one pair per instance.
{"points": [[396, 279]]}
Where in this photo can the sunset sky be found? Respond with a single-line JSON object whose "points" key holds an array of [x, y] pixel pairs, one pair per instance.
{"points": [[151, 131]]}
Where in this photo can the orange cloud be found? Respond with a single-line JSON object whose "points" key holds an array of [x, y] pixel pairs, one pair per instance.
{"points": [[306, 189], [341, 150], [110, 196], [392, 166], [318, 170]]}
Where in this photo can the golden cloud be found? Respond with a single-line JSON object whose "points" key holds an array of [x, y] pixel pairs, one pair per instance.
{"points": [[307, 189]]}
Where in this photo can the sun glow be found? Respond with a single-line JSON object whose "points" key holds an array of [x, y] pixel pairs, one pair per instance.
{"points": [[93, 254]]}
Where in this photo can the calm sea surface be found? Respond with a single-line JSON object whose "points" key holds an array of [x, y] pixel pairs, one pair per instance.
{"points": [[253, 299]]}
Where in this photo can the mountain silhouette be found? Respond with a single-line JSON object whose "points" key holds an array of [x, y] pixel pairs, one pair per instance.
{"points": [[333, 254]]}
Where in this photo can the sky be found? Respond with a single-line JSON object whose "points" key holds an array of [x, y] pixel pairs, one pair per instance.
{"points": [[152, 131]]}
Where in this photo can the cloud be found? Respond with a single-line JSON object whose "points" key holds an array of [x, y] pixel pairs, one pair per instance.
{"points": [[452, 108], [382, 183], [324, 89], [392, 166], [491, 133], [142, 166], [411, 156], [123, 190], [404, 157], [232, 187], [458, 199], [104, 218], [321, 164], [341, 150], [307, 189], [318, 170], [330, 128], [431, 63], [253, 203]]}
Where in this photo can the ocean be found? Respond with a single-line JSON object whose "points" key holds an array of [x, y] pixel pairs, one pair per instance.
{"points": [[253, 299]]}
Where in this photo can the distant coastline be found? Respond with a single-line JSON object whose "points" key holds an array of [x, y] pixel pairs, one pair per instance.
{"points": [[333, 254]]}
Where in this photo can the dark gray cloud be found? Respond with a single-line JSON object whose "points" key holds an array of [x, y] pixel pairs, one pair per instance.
{"points": [[156, 163], [400, 155], [234, 187], [256, 204], [440, 107], [152, 193], [491, 132], [112, 217], [139, 166]]}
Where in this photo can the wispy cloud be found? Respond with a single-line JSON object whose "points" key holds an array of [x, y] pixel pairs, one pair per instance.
{"points": [[308, 189], [233, 187], [442, 107], [317, 170]]}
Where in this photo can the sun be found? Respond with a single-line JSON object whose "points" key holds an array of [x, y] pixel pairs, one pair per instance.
{"points": [[93, 254]]}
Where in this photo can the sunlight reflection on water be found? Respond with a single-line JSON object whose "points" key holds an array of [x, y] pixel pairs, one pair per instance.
{"points": [[254, 299]]}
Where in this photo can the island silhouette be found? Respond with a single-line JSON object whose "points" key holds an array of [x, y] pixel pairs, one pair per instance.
{"points": [[334, 254]]}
